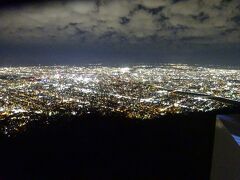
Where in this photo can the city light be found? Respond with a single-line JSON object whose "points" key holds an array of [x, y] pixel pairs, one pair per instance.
{"points": [[137, 92]]}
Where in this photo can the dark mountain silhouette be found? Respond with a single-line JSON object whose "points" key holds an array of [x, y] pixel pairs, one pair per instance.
{"points": [[95, 146]]}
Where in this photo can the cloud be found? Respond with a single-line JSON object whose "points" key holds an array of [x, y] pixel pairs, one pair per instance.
{"points": [[134, 21], [142, 24], [154, 3]]}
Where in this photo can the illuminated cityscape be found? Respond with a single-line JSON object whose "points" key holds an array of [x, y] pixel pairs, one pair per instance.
{"points": [[102, 89], [142, 92]]}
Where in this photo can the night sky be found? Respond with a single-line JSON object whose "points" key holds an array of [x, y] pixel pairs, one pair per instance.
{"points": [[119, 32]]}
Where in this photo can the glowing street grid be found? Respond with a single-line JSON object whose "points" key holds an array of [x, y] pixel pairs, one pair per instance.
{"points": [[137, 92]]}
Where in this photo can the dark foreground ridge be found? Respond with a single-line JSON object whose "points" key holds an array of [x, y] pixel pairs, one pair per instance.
{"points": [[94, 146]]}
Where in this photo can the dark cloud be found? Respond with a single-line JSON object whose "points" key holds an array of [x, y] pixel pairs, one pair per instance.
{"points": [[152, 11], [154, 28], [236, 19], [201, 17], [176, 1], [124, 20], [66, 20], [229, 31]]}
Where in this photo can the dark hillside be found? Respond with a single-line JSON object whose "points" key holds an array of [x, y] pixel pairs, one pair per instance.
{"points": [[170, 147]]}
